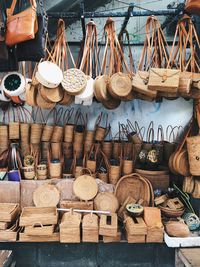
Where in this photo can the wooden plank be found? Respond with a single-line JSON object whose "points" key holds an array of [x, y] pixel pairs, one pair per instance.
{"points": [[189, 257]]}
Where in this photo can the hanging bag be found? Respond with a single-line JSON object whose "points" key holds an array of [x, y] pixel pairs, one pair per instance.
{"points": [[192, 6], [21, 26]]}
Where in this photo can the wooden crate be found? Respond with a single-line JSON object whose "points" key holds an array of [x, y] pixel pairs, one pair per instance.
{"points": [[28, 238], [75, 204], [112, 239], [90, 228], [9, 211], [135, 226], [108, 225], [70, 228], [32, 215], [39, 230]]}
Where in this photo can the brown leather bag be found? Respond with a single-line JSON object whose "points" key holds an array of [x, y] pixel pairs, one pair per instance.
{"points": [[192, 6], [21, 26]]}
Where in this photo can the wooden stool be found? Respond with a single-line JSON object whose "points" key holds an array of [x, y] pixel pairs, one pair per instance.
{"points": [[187, 257]]}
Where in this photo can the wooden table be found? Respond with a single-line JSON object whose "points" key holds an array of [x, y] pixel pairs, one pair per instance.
{"points": [[187, 257]]}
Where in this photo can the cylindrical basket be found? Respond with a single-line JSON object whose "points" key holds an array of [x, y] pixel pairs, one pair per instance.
{"points": [[91, 165], [107, 147], [56, 150], [57, 134], [36, 133], [24, 132], [44, 149], [47, 133], [193, 146], [42, 172], [29, 172], [55, 169], [114, 174], [69, 133], [127, 167], [67, 150], [14, 131], [103, 176], [100, 134]]}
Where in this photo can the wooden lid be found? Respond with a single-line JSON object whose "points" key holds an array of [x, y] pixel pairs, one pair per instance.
{"points": [[46, 196], [85, 187], [106, 201]]}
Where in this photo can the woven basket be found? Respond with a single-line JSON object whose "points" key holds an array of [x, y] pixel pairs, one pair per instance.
{"points": [[117, 148], [25, 148], [78, 150], [114, 174], [106, 201], [193, 146], [89, 138], [91, 164], [100, 134], [127, 167], [57, 134], [14, 131], [78, 138], [171, 213], [46, 195], [55, 169], [69, 133], [42, 172], [67, 150], [36, 133], [103, 176], [56, 150], [52, 95], [29, 173], [25, 132], [107, 147], [90, 226], [47, 133], [45, 146], [3, 134]]}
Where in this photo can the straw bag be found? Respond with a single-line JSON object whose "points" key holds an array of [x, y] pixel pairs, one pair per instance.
{"points": [[103, 167], [57, 135], [100, 131], [107, 145], [42, 171], [29, 173], [91, 159], [89, 139], [14, 132], [85, 186], [68, 128], [193, 154], [36, 128]]}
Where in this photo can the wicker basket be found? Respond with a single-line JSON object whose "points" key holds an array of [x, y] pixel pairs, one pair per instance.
{"points": [[36, 133], [29, 172], [69, 133], [127, 167], [107, 147], [42, 172], [100, 134], [67, 150], [103, 176], [108, 225], [90, 228], [3, 134], [106, 201], [193, 146], [45, 146], [55, 169], [57, 134], [56, 150], [14, 131], [47, 133], [114, 174], [24, 132]]}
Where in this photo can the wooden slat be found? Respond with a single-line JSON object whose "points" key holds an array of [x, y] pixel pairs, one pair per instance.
{"points": [[188, 257]]}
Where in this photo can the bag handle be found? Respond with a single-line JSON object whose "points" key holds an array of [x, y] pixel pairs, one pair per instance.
{"points": [[67, 115], [10, 10]]}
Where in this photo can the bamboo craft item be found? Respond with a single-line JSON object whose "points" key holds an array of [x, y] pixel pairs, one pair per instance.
{"points": [[90, 228], [106, 202], [108, 225], [8, 211], [45, 216], [70, 227], [46, 195]]}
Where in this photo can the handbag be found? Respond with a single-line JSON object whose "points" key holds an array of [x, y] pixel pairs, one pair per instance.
{"points": [[192, 6], [34, 50], [21, 26]]}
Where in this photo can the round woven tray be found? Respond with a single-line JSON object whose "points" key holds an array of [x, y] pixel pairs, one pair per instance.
{"points": [[120, 85], [46, 196], [106, 201], [74, 81], [135, 186], [171, 213], [85, 187], [52, 95]]}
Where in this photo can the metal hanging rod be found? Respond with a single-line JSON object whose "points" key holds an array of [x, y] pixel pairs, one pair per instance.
{"points": [[133, 13]]}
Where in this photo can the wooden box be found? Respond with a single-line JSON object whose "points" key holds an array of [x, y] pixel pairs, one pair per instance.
{"points": [[70, 228], [135, 226], [112, 239], [164, 80], [9, 211], [28, 238], [90, 228], [75, 204], [39, 230], [155, 235], [108, 225], [34, 215]]}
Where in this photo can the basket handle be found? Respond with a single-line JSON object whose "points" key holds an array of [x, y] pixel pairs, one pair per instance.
{"points": [[36, 224], [85, 169]]}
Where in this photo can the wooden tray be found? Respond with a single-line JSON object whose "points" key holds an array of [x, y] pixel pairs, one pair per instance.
{"points": [[44, 216], [134, 186], [8, 211], [10, 234], [3, 225], [55, 237], [39, 230]]}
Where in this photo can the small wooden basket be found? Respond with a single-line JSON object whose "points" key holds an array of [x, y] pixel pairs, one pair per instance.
{"points": [[90, 227]]}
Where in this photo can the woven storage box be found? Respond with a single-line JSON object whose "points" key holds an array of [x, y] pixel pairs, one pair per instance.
{"points": [[108, 225], [8, 212], [45, 216], [14, 130], [155, 229], [158, 179], [193, 146], [165, 80], [9, 235], [90, 228], [39, 229], [70, 228], [41, 238], [75, 204]]}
